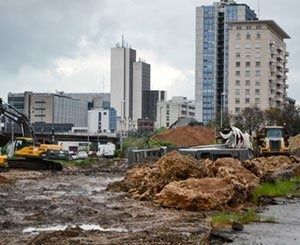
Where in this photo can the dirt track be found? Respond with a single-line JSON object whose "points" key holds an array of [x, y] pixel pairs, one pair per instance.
{"points": [[38, 205]]}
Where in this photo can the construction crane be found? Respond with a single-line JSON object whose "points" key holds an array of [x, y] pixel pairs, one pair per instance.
{"points": [[26, 152]]}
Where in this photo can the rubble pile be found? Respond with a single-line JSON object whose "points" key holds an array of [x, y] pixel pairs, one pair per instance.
{"points": [[144, 182], [187, 136], [295, 144], [182, 182], [268, 165], [198, 194]]}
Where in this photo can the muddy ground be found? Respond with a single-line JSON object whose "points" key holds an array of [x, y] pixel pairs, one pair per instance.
{"points": [[73, 207]]}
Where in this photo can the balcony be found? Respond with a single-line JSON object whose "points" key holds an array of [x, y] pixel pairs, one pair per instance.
{"points": [[287, 54], [286, 86], [279, 98], [279, 73], [286, 70]]}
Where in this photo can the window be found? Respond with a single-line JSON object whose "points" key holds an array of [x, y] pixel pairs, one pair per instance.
{"points": [[258, 35], [257, 64], [247, 64], [257, 83], [238, 36], [237, 100], [247, 100], [238, 55], [248, 46], [247, 73], [238, 46], [238, 73], [248, 36], [247, 91], [237, 83], [237, 92], [247, 83], [248, 27], [238, 64], [257, 100], [258, 27], [257, 73], [248, 55], [239, 28], [257, 91], [257, 46], [237, 110]]}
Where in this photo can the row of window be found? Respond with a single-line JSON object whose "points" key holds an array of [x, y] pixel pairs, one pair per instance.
{"points": [[248, 46], [247, 91], [247, 73], [247, 83], [258, 27], [247, 101], [248, 36], [247, 64]]}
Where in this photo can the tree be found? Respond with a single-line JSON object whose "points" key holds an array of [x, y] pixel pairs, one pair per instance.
{"points": [[250, 119]]}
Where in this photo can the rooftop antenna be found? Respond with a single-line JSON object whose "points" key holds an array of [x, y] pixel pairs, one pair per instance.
{"points": [[258, 11], [123, 41]]}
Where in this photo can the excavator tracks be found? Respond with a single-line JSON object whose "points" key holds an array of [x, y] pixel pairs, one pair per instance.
{"points": [[34, 164]]}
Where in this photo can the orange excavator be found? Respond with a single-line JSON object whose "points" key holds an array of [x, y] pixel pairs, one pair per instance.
{"points": [[25, 152]]}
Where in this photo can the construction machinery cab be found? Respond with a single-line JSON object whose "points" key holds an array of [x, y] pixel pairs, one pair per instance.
{"points": [[272, 140]]}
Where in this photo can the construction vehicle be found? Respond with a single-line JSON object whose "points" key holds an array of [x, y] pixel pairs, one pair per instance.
{"points": [[3, 163], [272, 140], [26, 152]]}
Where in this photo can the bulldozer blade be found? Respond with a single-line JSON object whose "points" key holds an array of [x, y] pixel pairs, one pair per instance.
{"points": [[34, 164]]}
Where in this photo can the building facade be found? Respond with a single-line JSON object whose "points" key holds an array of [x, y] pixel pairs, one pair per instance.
{"points": [[141, 83], [102, 120], [150, 100], [211, 71], [257, 65], [121, 84], [49, 108], [170, 111]]}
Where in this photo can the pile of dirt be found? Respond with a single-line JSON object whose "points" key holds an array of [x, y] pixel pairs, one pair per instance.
{"points": [[198, 194], [144, 182], [295, 144], [268, 165], [187, 136], [233, 170]]}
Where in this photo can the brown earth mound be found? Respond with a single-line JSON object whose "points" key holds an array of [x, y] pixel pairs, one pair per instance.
{"points": [[144, 182], [233, 170], [295, 144], [197, 194], [268, 165], [187, 136]]}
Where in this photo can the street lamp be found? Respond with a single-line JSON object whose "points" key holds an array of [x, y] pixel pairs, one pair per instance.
{"points": [[222, 107]]}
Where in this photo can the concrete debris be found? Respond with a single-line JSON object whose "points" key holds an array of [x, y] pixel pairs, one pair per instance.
{"points": [[187, 136]]}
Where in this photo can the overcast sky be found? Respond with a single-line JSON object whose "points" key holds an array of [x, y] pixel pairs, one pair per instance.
{"points": [[64, 45]]}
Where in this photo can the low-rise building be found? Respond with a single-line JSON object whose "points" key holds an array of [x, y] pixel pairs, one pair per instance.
{"points": [[102, 120], [170, 111]]}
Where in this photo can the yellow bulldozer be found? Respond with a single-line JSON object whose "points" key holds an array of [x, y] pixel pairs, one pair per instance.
{"points": [[26, 152]]}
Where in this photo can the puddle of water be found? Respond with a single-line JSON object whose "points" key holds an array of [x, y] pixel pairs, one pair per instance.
{"points": [[86, 227]]}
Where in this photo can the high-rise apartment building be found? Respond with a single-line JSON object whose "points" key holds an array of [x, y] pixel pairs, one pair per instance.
{"points": [[211, 75], [141, 82], [121, 84], [257, 65]]}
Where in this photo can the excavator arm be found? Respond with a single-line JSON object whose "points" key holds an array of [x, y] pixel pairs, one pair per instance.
{"points": [[18, 117]]}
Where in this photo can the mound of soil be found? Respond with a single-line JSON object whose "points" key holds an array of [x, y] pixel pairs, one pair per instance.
{"points": [[187, 136], [268, 165], [233, 170], [144, 182], [197, 194], [295, 144]]}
